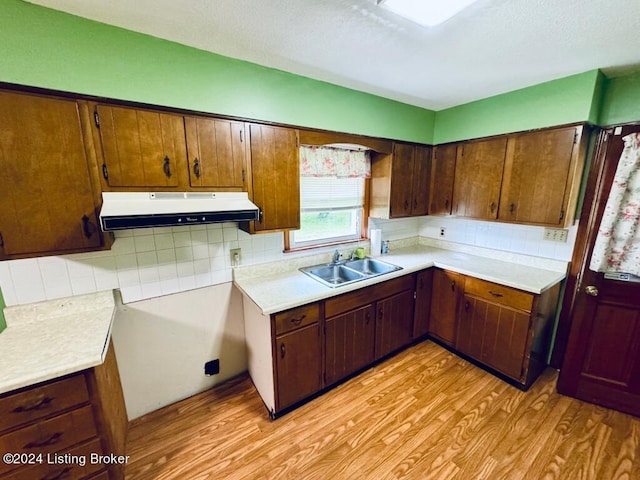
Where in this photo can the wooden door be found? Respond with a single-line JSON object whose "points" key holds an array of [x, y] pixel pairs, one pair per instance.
{"points": [[141, 148], [349, 343], [602, 360], [298, 363], [538, 176], [401, 181], [394, 323], [442, 174], [421, 181], [275, 169], [478, 178], [447, 288], [46, 195], [217, 154], [424, 281], [494, 334]]}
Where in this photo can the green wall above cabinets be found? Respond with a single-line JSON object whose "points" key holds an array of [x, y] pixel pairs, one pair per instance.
{"points": [[567, 100], [50, 49], [621, 102]]}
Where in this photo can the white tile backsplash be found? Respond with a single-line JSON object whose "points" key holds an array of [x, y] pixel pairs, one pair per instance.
{"points": [[523, 239], [143, 263], [147, 263]]}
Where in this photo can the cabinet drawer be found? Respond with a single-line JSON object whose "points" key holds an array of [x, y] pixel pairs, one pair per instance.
{"points": [[499, 294], [73, 464], [296, 318], [53, 435], [38, 402], [358, 298]]}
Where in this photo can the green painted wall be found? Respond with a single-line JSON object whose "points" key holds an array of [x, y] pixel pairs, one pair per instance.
{"points": [[45, 48], [3, 324], [621, 101], [567, 100]]}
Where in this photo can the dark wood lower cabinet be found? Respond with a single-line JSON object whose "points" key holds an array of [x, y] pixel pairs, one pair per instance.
{"points": [[506, 329], [394, 323], [422, 309], [493, 334], [443, 321], [349, 343], [299, 365]]}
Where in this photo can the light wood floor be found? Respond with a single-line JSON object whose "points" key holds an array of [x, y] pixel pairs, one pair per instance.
{"points": [[424, 414]]}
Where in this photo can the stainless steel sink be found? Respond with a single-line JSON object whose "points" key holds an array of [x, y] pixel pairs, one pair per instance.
{"points": [[369, 266], [344, 273]]}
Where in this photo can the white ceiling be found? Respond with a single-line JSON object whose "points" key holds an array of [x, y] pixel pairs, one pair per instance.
{"points": [[494, 46]]}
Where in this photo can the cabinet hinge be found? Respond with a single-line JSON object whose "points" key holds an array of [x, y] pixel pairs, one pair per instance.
{"points": [[243, 176], [96, 118], [561, 215], [105, 172], [241, 137], [575, 137]]}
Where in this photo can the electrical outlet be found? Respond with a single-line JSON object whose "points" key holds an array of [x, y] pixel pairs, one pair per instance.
{"points": [[212, 367], [442, 231], [236, 257], [556, 234]]}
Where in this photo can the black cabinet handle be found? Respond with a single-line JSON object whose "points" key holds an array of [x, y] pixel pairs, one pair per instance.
{"points": [[415, 203], [446, 203], [45, 443], [58, 476], [87, 227], [495, 294], [196, 167], [37, 405], [492, 207], [406, 204], [380, 313], [298, 321], [367, 318], [453, 286], [283, 350], [466, 306], [512, 208], [167, 167]]}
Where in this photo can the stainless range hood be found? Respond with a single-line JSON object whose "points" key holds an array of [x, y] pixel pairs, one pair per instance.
{"points": [[123, 210]]}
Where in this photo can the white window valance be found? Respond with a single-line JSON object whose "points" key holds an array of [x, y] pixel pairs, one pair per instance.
{"points": [[334, 162]]}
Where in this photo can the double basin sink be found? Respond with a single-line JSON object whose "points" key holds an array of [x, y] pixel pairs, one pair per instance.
{"points": [[344, 273]]}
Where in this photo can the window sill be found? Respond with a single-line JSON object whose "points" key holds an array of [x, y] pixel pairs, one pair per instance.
{"points": [[354, 241]]}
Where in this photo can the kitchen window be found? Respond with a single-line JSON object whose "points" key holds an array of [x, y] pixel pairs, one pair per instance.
{"points": [[333, 185]]}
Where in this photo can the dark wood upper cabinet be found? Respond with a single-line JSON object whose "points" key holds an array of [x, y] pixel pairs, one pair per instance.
{"points": [[141, 148], [443, 170], [478, 178], [217, 153], [275, 181], [400, 182], [47, 198], [541, 176]]}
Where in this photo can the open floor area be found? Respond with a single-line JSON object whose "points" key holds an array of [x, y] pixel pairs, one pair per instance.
{"points": [[423, 414]]}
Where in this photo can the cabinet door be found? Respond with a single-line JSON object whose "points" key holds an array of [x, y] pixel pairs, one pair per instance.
{"points": [[421, 181], [410, 177], [478, 178], [401, 180], [424, 281], [275, 177], [494, 334], [394, 323], [141, 148], [447, 288], [216, 150], [537, 176], [48, 204], [442, 175], [298, 365], [349, 343]]}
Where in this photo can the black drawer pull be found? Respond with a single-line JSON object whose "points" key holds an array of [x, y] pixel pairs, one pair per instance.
{"points": [[495, 294], [45, 443], [58, 476], [37, 405], [283, 350], [298, 321]]}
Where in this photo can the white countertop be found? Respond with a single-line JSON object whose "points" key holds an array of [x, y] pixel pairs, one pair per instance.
{"points": [[275, 292], [49, 339]]}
